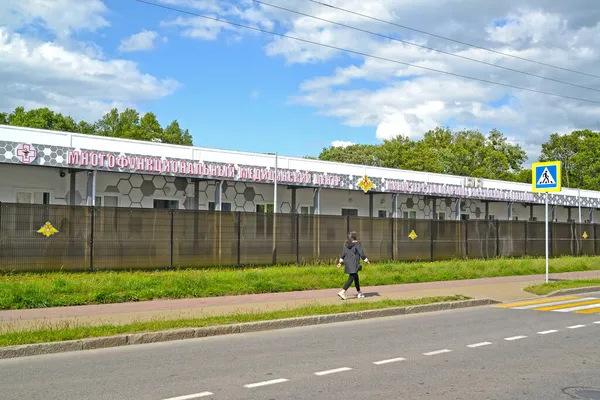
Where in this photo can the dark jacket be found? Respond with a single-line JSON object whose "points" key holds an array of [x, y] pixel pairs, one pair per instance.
{"points": [[351, 255]]}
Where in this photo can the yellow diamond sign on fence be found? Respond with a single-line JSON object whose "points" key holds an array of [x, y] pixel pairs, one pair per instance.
{"points": [[47, 230], [413, 235], [585, 235]]}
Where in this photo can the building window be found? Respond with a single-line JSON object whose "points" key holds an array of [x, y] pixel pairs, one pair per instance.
{"points": [[382, 214], [464, 217], [46, 198], [166, 204], [264, 223], [265, 208], [224, 206], [533, 219], [409, 215], [307, 210], [349, 212], [492, 217], [441, 216]]}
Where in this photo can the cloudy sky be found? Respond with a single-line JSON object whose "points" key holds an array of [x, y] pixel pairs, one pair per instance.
{"points": [[239, 89]]}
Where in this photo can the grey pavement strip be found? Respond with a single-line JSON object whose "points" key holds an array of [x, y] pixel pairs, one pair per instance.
{"points": [[192, 333], [581, 290]]}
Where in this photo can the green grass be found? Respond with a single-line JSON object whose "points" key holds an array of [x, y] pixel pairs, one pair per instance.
{"points": [[70, 332], [546, 288], [19, 291]]}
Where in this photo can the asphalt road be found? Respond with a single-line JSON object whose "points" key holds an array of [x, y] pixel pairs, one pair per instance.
{"points": [[462, 354]]}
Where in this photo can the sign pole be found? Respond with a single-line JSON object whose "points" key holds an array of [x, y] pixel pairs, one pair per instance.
{"points": [[545, 178], [546, 237]]}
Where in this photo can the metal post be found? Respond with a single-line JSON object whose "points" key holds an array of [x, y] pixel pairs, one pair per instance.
{"points": [[92, 227], [370, 205], [458, 209], [466, 222], [393, 224], [294, 205], [297, 216], [497, 222], [91, 188], [239, 238], [547, 238], [347, 224], [72, 187], [171, 240], [432, 226], [510, 211], [275, 208], [595, 240], [219, 195], [579, 203], [395, 205], [526, 235]]}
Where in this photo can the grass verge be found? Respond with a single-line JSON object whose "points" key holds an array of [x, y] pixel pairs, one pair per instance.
{"points": [[70, 332], [547, 288], [20, 291]]}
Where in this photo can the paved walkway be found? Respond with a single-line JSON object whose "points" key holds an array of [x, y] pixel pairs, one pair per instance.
{"points": [[502, 289]]}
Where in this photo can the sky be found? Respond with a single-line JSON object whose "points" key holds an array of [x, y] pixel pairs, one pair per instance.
{"points": [[239, 89]]}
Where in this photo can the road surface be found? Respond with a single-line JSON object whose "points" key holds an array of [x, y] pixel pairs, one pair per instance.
{"points": [[479, 353]]}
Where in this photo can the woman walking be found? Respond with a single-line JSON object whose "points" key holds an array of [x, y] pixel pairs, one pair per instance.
{"points": [[351, 256]]}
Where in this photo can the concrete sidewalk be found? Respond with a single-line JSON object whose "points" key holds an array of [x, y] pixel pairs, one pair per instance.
{"points": [[501, 289]]}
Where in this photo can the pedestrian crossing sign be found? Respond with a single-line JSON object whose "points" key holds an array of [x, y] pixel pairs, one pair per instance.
{"points": [[546, 177]]}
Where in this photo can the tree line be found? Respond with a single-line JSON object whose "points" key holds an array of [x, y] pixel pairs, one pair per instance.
{"points": [[441, 150], [472, 153], [127, 124]]}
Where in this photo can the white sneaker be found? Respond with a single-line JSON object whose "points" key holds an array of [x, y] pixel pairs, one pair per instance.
{"points": [[360, 296], [342, 295]]}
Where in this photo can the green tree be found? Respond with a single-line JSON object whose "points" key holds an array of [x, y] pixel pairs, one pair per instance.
{"points": [[563, 148], [356, 154], [463, 153]]}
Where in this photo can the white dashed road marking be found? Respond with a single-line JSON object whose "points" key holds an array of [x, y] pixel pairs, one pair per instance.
{"points": [[433, 353], [265, 383], [515, 338], [332, 371], [479, 344], [191, 396], [597, 322], [547, 332], [575, 326], [391, 360]]}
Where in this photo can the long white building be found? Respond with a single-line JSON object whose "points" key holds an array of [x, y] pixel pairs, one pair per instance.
{"points": [[49, 167]]}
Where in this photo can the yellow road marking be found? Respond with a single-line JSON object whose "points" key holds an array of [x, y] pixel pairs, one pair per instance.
{"points": [[588, 311], [576, 304], [542, 301]]}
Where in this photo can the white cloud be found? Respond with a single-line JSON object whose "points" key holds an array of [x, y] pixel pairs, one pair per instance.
{"points": [[53, 69], [341, 143], [395, 98], [61, 17], [141, 41]]}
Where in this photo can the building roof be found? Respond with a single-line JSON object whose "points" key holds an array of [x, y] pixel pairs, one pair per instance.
{"points": [[70, 150]]}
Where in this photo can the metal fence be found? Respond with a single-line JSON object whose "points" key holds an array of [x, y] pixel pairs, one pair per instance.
{"points": [[125, 238]]}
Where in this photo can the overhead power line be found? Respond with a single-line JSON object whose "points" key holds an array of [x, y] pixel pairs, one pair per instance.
{"points": [[424, 47], [452, 40], [359, 53]]}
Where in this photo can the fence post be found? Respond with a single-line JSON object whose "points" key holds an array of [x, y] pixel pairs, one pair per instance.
{"points": [[171, 239], [298, 239], [526, 236], [393, 224], [466, 238], [550, 239], [347, 224], [574, 247], [239, 238], [91, 241], [432, 226], [497, 222], [595, 238]]}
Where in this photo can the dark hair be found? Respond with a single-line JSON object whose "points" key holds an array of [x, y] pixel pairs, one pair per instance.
{"points": [[352, 237]]}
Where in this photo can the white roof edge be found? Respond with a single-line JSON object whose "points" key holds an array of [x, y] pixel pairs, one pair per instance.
{"points": [[525, 186]]}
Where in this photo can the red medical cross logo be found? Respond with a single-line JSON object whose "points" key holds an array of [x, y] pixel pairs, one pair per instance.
{"points": [[26, 153]]}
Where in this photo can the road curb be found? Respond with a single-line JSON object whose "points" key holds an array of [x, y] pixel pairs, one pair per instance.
{"points": [[193, 333], [580, 290]]}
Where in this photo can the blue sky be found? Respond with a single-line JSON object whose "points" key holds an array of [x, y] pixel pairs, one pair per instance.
{"points": [[232, 96], [240, 90]]}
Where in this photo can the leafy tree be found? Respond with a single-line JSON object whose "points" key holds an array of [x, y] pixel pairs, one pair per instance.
{"points": [[125, 124], [356, 154], [463, 153], [563, 148]]}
